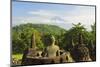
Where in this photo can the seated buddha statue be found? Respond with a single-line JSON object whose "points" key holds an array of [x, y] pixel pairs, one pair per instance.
{"points": [[52, 49]]}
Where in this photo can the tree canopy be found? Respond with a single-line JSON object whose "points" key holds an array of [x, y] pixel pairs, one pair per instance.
{"points": [[66, 39]]}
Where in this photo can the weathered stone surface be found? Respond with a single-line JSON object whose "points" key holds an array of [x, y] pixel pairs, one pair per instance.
{"points": [[80, 52], [33, 41], [52, 54], [30, 52]]}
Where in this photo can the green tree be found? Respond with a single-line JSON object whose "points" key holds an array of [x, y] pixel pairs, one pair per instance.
{"points": [[72, 36]]}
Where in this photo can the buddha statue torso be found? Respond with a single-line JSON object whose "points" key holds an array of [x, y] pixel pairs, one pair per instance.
{"points": [[52, 50]]}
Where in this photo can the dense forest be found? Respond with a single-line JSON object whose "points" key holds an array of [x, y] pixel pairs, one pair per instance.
{"points": [[66, 39], [21, 35]]}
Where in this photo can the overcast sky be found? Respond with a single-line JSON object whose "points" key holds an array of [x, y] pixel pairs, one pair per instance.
{"points": [[55, 14]]}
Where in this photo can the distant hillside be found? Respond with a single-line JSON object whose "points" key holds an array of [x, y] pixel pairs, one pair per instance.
{"points": [[42, 28]]}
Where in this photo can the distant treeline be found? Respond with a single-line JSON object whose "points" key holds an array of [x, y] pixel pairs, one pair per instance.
{"points": [[66, 39]]}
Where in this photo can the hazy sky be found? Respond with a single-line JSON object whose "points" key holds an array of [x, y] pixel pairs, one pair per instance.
{"points": [[55, 14]]}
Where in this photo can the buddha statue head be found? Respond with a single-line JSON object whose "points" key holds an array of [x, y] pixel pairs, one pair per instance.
{"points": [[51, 40]]}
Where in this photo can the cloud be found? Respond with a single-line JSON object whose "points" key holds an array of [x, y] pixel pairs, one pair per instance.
{"points": [[42, 13], [83, 14], [45, 14]]}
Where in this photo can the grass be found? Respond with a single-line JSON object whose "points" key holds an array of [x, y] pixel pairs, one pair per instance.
{"points": [[17, 56]]}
